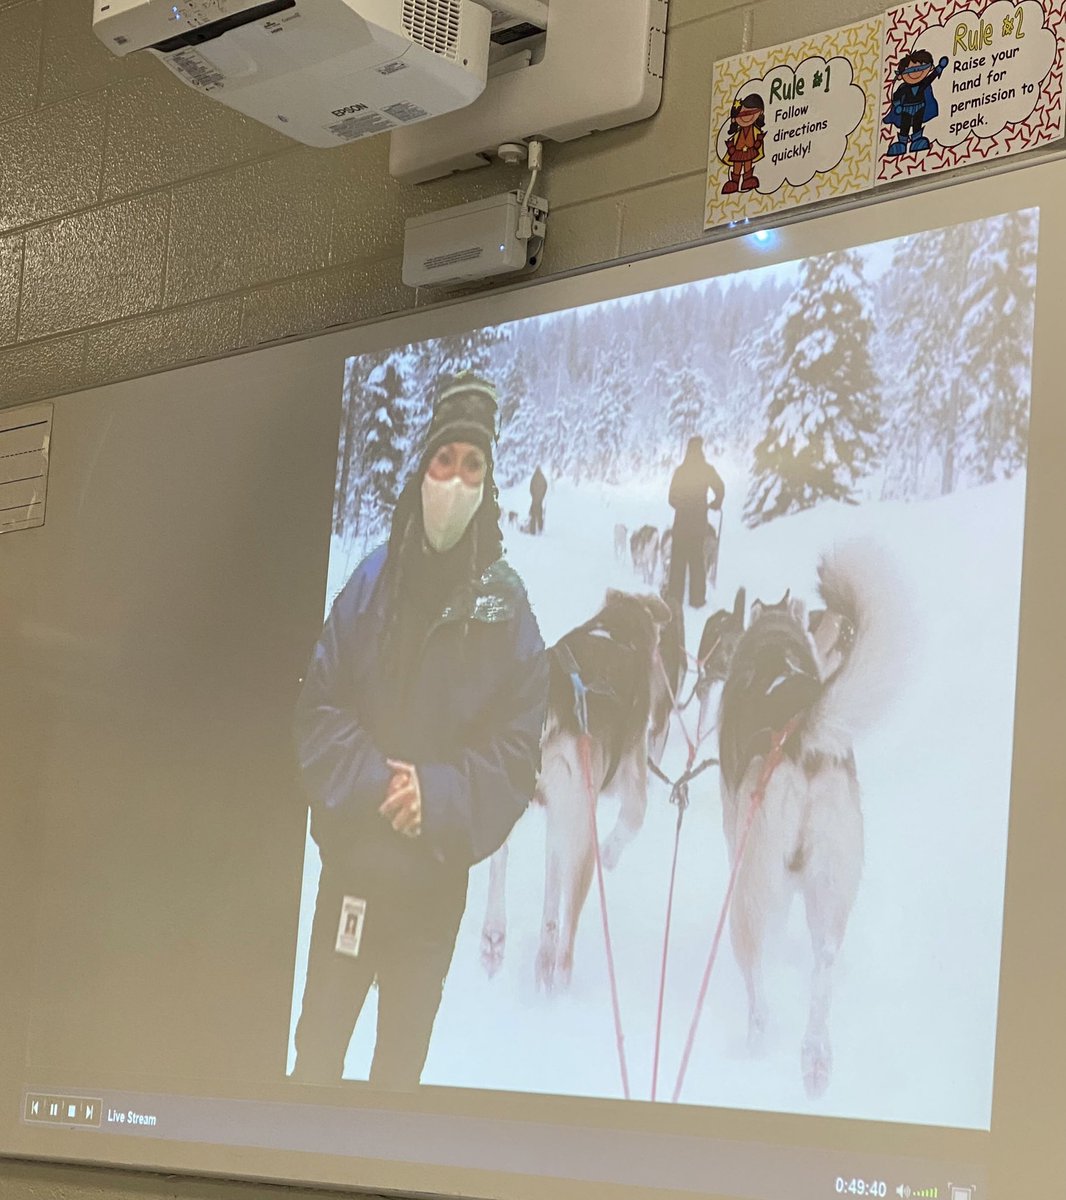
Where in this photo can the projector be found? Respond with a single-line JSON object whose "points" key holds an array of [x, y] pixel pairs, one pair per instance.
{"points": [[500, 235], [325, 72]]}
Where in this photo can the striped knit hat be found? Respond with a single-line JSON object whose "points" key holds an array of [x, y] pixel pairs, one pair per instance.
{"points": [[465, 411]]}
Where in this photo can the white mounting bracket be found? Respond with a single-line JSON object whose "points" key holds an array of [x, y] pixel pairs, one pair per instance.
{"points": [[602, 66]]}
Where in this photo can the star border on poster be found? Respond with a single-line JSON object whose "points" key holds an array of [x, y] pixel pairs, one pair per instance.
{"points": [[969, 86]]}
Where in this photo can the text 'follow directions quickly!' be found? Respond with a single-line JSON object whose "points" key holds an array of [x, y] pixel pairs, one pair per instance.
{"points": [[793, 124]]}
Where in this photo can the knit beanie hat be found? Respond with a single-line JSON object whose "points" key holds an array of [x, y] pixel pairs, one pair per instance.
{"points": [[465, 411]]}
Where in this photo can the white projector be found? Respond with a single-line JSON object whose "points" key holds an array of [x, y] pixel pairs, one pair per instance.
{"points": [[499, 235], [326, 72]]}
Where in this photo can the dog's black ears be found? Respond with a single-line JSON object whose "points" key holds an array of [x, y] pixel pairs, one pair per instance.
{"points": [[758, 607], [657, 609]]}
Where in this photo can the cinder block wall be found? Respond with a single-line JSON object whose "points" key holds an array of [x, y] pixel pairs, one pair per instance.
{"points": [[142, 227]]}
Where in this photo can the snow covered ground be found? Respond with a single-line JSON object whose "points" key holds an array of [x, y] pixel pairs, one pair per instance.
{"points": [[914, 1007]]}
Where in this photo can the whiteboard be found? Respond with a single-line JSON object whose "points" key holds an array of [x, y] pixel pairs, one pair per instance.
{"points": [[156, 632]]}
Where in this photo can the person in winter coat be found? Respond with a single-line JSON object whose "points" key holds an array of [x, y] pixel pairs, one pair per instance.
{"points": [[538, 489], [688, 499], [418, 735]]}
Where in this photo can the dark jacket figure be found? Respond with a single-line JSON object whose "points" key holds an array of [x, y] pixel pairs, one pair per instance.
{"points": [[430, 668], [538, 489], [688, 499]]}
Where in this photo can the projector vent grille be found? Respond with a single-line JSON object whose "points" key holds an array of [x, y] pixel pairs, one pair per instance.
{"points": [[453, 257], [434, 24]]}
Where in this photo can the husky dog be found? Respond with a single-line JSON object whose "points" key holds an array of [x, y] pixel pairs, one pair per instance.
{"points": [[807, 833], [613, 657], [718, 643], [644, 550], [621, 541], [668, 674], [666, 546]]}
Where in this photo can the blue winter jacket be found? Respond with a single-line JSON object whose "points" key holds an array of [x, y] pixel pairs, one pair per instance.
{"points": [[472, 729]]}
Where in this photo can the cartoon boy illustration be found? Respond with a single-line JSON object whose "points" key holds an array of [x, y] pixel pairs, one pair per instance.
{"points": [[744, 143], [913, 102]]}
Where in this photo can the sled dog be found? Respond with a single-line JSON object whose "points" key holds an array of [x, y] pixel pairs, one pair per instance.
{"points": [[621, 541], [644, 551], [667, 677], [603, 679], [613, 655], [807, 833], [718, 644]]}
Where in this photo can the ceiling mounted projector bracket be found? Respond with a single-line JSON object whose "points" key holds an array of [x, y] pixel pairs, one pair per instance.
{"points": [[602, 66]]}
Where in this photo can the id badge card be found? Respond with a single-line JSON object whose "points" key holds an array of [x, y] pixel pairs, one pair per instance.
{"points": [[350, 929]]}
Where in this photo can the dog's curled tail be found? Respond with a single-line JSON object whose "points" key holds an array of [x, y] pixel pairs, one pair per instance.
{"points": [[858, 581]]}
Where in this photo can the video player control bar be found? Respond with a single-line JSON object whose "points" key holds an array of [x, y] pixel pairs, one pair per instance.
{"points": [[63, 1110]]}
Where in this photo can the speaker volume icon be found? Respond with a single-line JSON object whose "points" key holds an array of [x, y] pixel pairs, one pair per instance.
{"points": [[903, 1192]]}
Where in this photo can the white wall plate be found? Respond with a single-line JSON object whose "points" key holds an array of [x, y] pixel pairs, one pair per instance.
{"points": [[602, 67]]}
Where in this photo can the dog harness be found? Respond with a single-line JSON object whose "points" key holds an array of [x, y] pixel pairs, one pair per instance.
{"points": [[581, 687]]}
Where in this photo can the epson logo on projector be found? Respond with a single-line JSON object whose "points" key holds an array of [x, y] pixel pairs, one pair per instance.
{"points": [[347, 112]]}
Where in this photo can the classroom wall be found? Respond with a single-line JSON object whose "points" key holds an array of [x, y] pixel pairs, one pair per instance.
{"points": [[142, 227]]}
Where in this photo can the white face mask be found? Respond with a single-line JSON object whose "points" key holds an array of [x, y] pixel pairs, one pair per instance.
{"points": [[448, 506]]}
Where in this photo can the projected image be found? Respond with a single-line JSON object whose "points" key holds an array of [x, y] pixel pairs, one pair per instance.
{"points": [[658, 741]]}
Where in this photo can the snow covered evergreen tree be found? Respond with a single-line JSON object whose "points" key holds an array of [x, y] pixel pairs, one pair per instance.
{"points": [[349, 449], [823, 414], [920, 382], [956, 349], [385, 446], [688, 392], [611, 408], [520, 426], [995, 328], [477, 350]]}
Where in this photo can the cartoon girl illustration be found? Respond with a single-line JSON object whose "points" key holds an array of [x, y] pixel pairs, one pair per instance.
{"points": [[744, 143]]}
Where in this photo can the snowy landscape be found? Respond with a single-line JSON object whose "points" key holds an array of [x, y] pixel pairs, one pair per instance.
{"points": [[883, 393]]}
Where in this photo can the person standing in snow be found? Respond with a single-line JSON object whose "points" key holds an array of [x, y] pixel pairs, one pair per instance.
{"points": [[688, 499], [538, 489], [418, 737]]}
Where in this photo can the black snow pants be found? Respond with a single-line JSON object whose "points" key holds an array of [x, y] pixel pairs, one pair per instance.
{"points": [[408, 962], [687, 552]]}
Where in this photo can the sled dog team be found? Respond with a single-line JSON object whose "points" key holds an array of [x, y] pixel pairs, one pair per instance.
{"points": [[650, 552], [818, 678]]}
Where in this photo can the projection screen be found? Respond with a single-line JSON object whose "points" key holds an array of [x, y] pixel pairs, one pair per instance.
{"points": [[600, 737]]}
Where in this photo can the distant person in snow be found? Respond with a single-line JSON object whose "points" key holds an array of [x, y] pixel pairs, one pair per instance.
{"points": [[688, 499], [418, 737], [538, 489]]}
